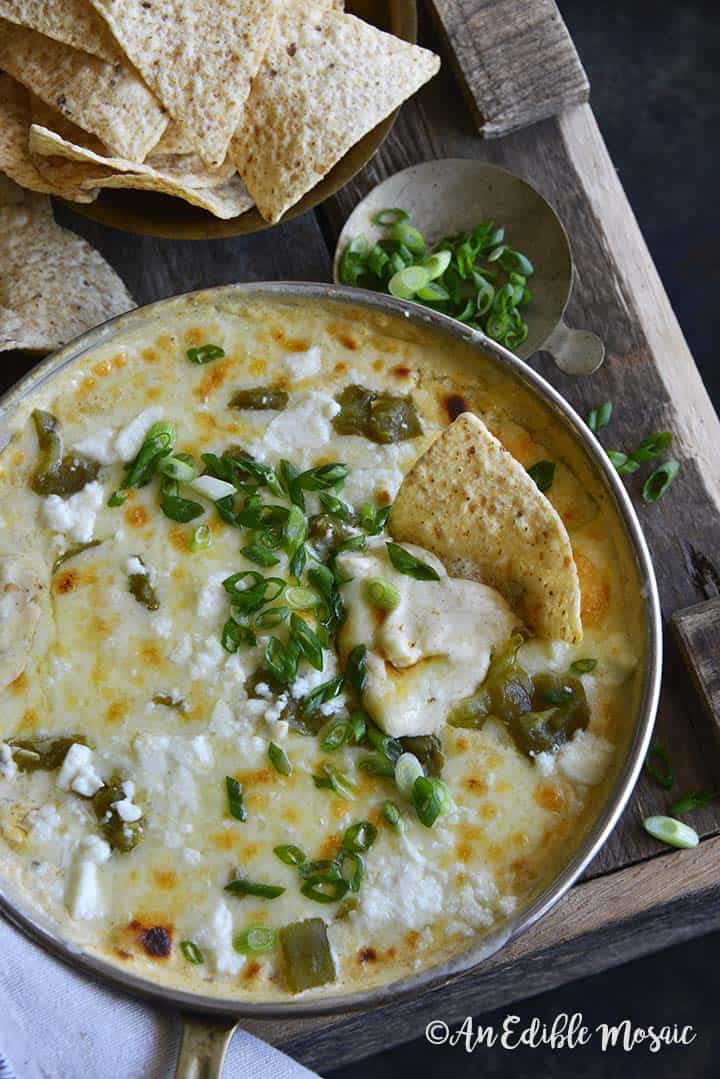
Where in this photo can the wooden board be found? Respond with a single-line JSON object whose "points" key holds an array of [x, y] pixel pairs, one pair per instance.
{"points": [[634, 897], [698, 633], [515, 60]]}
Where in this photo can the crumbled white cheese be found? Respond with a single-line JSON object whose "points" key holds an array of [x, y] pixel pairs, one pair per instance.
{"points": [[304, 364], [162, 625], [129, 788], [83, 897], [135, 568], [192, 856], [207, 659], [222, 720], [215, 936], [538, 655], [212, 488], [182, 651], [78, 771], [304, 425], [311, 679], [262, 689], [8, 767], [75, 516], [100, 446], [44, 823], [586, 758], [212, 601], [545, 763], [127, 810], [131, 438]]}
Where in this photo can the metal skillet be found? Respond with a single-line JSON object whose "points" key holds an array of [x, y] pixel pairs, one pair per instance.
{"points": [[211, 1020]]}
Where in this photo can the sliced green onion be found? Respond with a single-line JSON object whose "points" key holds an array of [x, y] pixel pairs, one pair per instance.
{"points": [[117, 498], [652, 446], [279, 759], [406, 282], [248, 887], [409, 237], [236, 633], [431, 798], [302, 599], [255, 940], [438, 263], [543, 473], [290, 854], [271, 616], [393, 816], [360, 837], [673, 832], [201, 538], [583, 666], [260, 555], [235, 799], [692, 801], [658, 482], [178, 468], [381, 594], [307, 641], [407, 769], [180, 509], [326, 691], [390, 217], [334, 780], [597, 418], [407, 563], [352, 868], [334, 735], [325, 891], [433, 292], [622, 462], [191, 952], [205, 354], [664, 776], [356, 668]]}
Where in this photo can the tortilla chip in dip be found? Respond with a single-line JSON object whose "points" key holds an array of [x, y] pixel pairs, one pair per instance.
{"points": [[326, 80], [53, 285], [71, 21], [107, 99], [470, 502], [198, 56], [15, 157]]}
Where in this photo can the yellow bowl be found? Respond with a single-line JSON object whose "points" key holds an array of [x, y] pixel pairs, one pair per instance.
{"points": [[152, 214]]}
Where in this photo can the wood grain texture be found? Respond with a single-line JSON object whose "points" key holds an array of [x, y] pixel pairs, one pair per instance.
{"points": [[698, 633], [599, 924], [514, 59]]}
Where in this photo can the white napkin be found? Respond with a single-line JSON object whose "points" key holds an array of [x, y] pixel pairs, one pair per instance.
{"points": [[59, 1024]]}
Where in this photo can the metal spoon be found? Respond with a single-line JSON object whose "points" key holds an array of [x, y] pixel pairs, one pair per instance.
{"points": [[455, 195]]}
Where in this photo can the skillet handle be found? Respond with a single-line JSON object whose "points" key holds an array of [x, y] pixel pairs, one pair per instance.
{"points": [[576, 352], [203, 1047]]}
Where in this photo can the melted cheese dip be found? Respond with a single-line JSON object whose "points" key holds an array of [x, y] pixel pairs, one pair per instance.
{"points": [[168, 713]]}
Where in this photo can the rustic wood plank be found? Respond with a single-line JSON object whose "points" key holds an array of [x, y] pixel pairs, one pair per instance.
{"points": [[617, 294], [600, 924], [698, 634], [515, 60]]}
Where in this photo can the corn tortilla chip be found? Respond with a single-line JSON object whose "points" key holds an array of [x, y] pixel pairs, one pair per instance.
{"points": [[53, 285], [473, 505], [326, 80], [15, 158], [64, 153], [198, 56], [227, 199], [72, 21], [108, 100]]}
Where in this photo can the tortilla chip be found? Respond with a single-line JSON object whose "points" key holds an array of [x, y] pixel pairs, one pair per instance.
{"points": [[173, 141], [198, 56], [72, 21], [326, 80], [108, 100], [473, 505], [226, 199], [53, 285], [15, 158], [64, 153]]}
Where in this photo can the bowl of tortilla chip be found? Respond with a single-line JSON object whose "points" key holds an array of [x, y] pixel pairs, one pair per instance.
{"points": [[179, 120]]}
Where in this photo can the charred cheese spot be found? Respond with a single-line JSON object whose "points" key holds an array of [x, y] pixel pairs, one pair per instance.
{"points": [[136, 516], [166, 879], [102, 369], [157, 941], [367, 955], [149, 355], [455, 405], [215, 376], [19, 684], [550, 796]]}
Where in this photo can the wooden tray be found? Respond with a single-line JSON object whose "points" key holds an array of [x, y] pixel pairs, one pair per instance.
{"points": [[636, 896]]}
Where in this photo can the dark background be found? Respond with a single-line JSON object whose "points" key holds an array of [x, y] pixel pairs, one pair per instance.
{"points": [[654, 68]]}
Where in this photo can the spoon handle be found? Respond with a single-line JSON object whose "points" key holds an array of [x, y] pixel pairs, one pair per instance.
{"points": [[576, 352]]}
